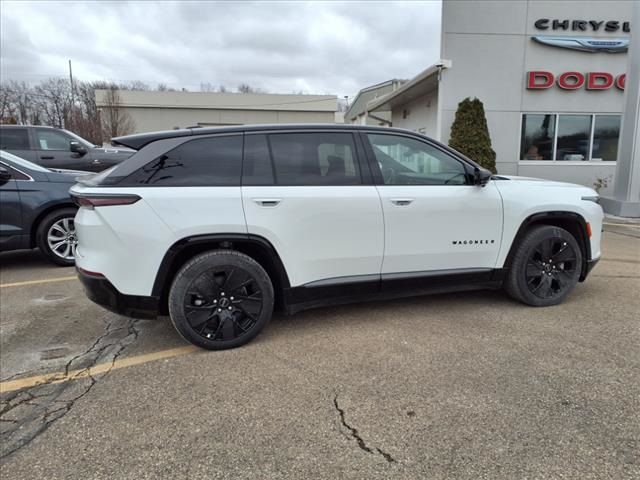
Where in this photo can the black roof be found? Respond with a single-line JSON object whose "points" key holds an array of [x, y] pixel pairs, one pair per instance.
{"points": [[139, 140]]}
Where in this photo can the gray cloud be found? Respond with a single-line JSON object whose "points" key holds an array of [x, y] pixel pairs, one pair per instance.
{"points": [[317, 47]]}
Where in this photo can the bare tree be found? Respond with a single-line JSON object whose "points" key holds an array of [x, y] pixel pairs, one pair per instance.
{"points": [[207, 87], [137, 85], [116, 121], [7, 107], [245, 88], [53, 100], [222, 89]]}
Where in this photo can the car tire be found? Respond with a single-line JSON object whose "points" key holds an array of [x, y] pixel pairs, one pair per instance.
{"points": [[546, 267], [56, 236], [221, 299]]}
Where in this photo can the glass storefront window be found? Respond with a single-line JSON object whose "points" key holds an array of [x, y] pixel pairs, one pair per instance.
{"points": [[574, 132], [565, 137], [537, 137], [605, 138]]}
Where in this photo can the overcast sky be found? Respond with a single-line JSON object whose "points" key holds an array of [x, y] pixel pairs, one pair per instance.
{"points": [[316, 47]]}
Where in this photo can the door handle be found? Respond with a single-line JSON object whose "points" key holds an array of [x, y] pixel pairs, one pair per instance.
{"points": [[267, 202], [401, 202], [47, 157]]}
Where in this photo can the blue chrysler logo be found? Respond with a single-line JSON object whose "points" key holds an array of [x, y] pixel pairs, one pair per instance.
{"points": [[586, 44]]}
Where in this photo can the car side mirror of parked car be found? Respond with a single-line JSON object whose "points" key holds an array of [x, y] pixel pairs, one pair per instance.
{"points": [[482, 176], [5, 175], [75, 147]]}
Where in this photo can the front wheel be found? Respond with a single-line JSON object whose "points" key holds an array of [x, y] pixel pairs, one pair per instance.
{"points": [[221, 299], [546, 267], [56, 236]]}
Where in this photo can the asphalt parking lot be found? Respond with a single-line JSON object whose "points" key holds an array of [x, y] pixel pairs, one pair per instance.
{"points": [[469, 385]]}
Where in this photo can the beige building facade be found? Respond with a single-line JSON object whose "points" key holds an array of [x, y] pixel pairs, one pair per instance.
{"points": [[152, 111]]}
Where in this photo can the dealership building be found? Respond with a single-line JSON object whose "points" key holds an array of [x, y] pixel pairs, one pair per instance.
{"points": [[551, 75]]}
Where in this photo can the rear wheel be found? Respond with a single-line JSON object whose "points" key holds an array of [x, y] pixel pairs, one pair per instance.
{"points": [[56, 236], [221, 299], [546, 267]]}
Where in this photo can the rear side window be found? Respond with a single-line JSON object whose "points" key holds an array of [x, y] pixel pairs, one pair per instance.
{"points": [[14, 139], [214, 161], [257, 168], [314, 159]]}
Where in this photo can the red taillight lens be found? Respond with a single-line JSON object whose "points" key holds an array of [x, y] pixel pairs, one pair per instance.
{"points": [[589, 229], [89, 273], [92, 201]]}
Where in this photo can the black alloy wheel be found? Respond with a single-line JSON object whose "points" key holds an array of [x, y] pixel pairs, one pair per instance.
{"points": [[546, 266], [221, 299], [551, 268]]}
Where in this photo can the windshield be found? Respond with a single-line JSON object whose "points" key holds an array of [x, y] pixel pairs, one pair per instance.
{"points": [[22, 162]]}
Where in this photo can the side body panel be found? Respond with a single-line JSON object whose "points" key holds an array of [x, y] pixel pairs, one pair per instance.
{"points": [[522, 199], [11, 227], [440, 227], [127, 243], [321, 233]]}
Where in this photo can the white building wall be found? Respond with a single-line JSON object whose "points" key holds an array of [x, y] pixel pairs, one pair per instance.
{"points": [[421, 115], [491, 49]]}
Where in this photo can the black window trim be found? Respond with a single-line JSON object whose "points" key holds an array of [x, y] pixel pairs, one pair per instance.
{"points": [[468, 166], [184, 140], [360, 156]]}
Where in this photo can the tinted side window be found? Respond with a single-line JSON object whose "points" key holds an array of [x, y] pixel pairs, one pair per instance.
{"points": [[314, 159], [14, 139], [405, 161], [257, 168], [15, 174], [214, 161], [52, 140]]}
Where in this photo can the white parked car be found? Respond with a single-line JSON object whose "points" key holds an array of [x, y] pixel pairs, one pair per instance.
{"points": [[215, 226]]}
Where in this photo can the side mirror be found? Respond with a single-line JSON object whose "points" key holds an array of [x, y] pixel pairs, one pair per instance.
{"points": [[5, 175], [75, 147], [482, 176]]}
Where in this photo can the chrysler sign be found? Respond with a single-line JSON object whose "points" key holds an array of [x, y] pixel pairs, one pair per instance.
{"points": [[540, 80], [585, 44]]}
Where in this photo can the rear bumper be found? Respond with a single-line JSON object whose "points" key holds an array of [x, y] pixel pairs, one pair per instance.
{"points": [[99, 290]]}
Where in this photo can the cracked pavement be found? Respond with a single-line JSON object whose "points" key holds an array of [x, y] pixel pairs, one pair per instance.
{"points": [[468, 385]]}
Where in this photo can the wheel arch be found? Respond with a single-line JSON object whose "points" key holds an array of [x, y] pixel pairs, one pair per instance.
{"points": [[256, 247], [41, 215], [572, 222]]}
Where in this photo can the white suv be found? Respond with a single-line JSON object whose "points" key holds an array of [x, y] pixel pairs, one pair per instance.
{"points": [[216, 226]]}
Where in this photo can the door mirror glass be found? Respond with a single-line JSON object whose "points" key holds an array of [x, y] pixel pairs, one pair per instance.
{"points": [[5, 175]]}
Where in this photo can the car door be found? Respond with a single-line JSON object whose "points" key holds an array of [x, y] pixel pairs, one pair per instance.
{"points": [[307, 193], [12, 232], [54, 151], [16, 140], [436, 220]]}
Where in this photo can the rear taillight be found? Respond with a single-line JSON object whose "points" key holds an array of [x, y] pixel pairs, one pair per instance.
{"points": [[89, 273], [92, 201]]}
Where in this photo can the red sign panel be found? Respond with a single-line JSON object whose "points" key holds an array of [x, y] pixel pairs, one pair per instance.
{"points": [[540, 80]]}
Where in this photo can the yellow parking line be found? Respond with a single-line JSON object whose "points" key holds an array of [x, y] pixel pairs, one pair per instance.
{"points": [[36, 282], [60, 377]]}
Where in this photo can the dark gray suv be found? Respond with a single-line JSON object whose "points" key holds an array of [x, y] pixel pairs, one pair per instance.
{"points": [[36, 209], [58, 148]]}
